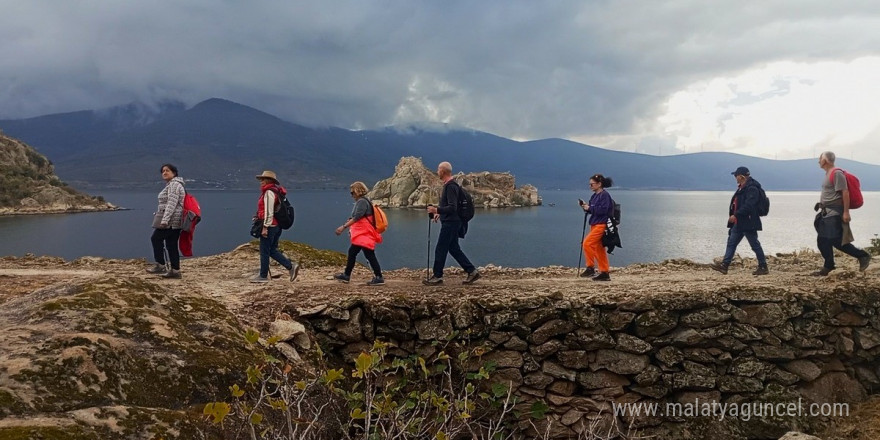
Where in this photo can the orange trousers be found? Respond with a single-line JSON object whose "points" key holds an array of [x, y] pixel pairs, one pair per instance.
{"points": [[593, 249]]}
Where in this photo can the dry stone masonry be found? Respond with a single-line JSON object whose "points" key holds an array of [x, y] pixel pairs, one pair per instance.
{"points": [[580, 356]]}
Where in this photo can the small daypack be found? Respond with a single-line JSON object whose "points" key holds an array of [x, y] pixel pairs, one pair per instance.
{"points": [[380, 221], [192, 213], [465, 205], [763, 203], [285, 213], [853, 185]]}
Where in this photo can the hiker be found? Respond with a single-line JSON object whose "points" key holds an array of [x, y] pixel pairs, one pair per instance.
{"points": [[832, 220], [364, 237], [600, 206], [166, 224], [267, 206], [450, 228], [744, 221]]}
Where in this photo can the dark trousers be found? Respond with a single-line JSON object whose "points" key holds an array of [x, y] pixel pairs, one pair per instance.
{"points": [[830, 234], [734, 237], [163, 239], [827, 245], [371, 257], [447, 243], [269, 248]]}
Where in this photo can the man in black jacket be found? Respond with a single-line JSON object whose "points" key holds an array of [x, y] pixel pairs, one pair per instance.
{"points": [[450, 227], [744, 221]]}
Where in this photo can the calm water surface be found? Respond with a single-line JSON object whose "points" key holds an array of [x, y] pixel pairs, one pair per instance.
{"points": [[657, 225]]}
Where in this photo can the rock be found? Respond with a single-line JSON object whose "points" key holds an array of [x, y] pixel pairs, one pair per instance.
{"points": [[550, 329], [655, 323], [286, 330], [575, 359], [632, 344], [289, 352], [763, 315], [546, 349], [708, 317], [793, 435], [415, 186], [562, 388], [555, 370], [834, 387], [670, 356], [537, 380], [504, 358], [620, 362], [434, 329], [867, 338], [804, 369], [351, 330], [589, 339], [601, 379]]}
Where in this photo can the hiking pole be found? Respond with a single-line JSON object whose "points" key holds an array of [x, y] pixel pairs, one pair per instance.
{"points": [[581, 247], [428, 264]]}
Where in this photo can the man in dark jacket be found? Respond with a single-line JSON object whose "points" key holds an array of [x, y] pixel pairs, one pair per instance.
{"points": [[450, 228], [744, 221]]}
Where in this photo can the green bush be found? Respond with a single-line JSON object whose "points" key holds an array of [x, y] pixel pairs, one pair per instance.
{"points": [[874, 248], [380, 397]]}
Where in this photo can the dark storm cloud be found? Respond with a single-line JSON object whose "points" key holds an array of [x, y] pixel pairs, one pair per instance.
{"points": [[522, 69]]}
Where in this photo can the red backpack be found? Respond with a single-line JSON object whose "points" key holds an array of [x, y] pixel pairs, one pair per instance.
{"points": [[852, 184]]}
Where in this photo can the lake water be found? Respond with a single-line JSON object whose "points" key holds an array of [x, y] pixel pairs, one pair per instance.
{"points": [[657, 225]]}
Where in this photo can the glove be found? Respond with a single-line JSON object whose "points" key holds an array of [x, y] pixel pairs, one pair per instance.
{"points": [[817, 206]]}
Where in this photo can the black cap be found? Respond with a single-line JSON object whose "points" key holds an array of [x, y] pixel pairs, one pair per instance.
{"points": [[741, 171]]}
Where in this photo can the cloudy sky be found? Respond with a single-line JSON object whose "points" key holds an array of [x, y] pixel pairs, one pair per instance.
{"points": [[776, 79]]}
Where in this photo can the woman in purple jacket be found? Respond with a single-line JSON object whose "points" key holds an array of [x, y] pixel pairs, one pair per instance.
{"points": [[600, 208]]}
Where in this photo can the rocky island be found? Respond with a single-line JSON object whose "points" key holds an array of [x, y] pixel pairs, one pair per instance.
{"points": [[28, 184], [98, 349], [415, 186]]}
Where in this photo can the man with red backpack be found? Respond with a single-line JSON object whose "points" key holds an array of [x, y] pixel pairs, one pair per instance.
{"points": [[840, 193]]}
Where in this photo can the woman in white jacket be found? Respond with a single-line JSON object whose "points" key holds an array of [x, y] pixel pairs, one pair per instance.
{"points": [[166, 224]]}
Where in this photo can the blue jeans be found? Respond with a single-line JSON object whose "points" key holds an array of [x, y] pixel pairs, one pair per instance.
{"points": [[269, 248], [734, 237], [447, 243]]}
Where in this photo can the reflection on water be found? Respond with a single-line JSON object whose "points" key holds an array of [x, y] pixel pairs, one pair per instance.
{"points": [[657, 225]]}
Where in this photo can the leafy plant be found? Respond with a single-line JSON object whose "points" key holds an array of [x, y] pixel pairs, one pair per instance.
{"points": [[874, 248], [380, 396]]}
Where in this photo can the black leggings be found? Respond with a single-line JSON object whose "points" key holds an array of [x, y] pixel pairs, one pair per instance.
{"points": [[166, 239], [371, 257]]}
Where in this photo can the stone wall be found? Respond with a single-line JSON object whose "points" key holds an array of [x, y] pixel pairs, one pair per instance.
{"points": [[578, 355]]}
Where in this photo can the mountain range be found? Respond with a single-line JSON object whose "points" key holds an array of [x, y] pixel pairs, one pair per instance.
{"points": [[222, 144]]}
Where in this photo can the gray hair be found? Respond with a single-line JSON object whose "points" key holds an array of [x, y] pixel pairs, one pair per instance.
{"points": [[828, 155], [445, 166]]}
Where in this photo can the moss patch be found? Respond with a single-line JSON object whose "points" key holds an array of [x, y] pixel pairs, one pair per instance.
{"points": [[306, 255]]}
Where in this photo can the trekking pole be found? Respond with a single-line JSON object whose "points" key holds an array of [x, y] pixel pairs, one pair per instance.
{"points": [[428, 264], [581, 246]]}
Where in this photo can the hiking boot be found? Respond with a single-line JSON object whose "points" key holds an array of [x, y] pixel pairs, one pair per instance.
{"points": [[822, 272], [376, 281], [433, 281], [259, 279], [603, 276], [473, 276], [761, 271], [173, 273], [864, 262], [720, 267], [294, 271], [342, 277], [588, 272], [157, 269]]}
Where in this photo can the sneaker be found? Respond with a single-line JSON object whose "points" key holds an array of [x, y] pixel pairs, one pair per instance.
{"points": [[588, 272], [473, 276], [173, 273], [864, 262], [822, 272], [603, 276], [294, 271], [720, 267], [259, 279], [342, 277], [376, 281], [761, 271], [433, 281], [157, 269]]}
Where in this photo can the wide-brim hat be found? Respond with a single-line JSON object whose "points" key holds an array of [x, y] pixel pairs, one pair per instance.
{"points": [[268, 175]]}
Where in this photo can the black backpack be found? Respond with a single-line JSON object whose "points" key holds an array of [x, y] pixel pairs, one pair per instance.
{"points": [[465, 205], [285, 214], [763, 203]]}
